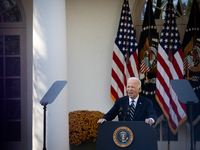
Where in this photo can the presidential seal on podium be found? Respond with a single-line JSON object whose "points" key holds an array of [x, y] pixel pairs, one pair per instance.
{"points": [[123, 136]]}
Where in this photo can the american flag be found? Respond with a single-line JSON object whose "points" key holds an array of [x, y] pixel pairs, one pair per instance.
{"points": [[145, 65], [188, 63], [170, 66], [125, 55]]}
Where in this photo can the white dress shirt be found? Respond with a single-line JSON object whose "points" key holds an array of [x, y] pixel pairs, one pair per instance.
{"points": [[135, 101], [135, 104]]}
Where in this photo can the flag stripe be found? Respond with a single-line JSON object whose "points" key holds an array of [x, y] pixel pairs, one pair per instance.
{"points": [[168, 70], [114, 94], [118, 59], [125, 44], [119, 85]]}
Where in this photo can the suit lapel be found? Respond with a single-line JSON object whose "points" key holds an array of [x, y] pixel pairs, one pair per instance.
{"points": [[126, 103], [138, 107]]}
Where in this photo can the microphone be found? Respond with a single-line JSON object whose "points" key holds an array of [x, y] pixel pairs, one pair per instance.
{"points": [[121, 110], [128, 110]]}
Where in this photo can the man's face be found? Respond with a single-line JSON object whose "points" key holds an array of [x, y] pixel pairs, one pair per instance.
{"points": [[132, 88]]}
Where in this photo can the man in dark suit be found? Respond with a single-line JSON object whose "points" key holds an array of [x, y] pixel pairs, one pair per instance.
{"points": [[142, 107]]}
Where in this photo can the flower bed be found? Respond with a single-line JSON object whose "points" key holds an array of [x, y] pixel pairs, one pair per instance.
{"points": [[83, 126]]}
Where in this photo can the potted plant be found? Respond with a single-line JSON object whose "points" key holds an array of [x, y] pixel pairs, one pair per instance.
{"points": [[83, 128]]}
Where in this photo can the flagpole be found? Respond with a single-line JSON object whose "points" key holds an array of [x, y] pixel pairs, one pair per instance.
{"points": [[149, 30], [170, 55], [195, 34], [127, 44]]}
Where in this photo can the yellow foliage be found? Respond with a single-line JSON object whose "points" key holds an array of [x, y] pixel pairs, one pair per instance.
{"points": [[83, 126]]}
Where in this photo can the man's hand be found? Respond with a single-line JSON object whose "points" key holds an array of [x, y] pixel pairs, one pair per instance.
{"points": [[149, 121], [101, 120]]}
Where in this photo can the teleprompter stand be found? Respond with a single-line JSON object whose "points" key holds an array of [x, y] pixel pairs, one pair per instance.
{"points": [[187, 96], [48, 98]]}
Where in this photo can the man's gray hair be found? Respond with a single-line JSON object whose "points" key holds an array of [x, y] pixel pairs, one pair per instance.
{"points": [[135, 78]]}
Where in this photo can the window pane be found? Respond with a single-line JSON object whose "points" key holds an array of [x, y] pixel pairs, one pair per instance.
{"points": [[160, 3], [12, 15], [177, 5], [157, 13], [5, 4], [12, 45], [165, 132], [12, 88], [143, 11], [1, 67], [1, 110], [1, 45], [163, 14], [1, 89], [13, 66], [184, 5], [1, 120], [13, 109], [13, 131], [189, 7]]}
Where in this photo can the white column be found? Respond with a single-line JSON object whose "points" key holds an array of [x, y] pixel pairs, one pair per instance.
{"points": [[49, 65]]}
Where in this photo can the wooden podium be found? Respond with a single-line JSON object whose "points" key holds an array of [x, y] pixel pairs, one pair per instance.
{"points": [[126, 135]]}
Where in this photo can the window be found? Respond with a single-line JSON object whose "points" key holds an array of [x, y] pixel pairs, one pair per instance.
{"points": [[10, 86], [181, 7], [9, 11], [12, 75]]}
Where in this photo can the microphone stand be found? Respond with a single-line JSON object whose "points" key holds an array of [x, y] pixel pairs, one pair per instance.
{"points": [[126, 113]]}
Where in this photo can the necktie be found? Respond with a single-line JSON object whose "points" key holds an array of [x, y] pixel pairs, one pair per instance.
{"points": [[132, 111]]}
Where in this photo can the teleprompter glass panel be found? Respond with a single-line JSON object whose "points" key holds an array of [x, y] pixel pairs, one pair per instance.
{"points": [[13, 110], [12, 15], [13, 66], [13, 131], [12, 45], [13, 88]]}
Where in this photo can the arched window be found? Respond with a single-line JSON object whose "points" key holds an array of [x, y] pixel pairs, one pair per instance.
{"points": [[12, 74], [181, 7], [9, 11]]}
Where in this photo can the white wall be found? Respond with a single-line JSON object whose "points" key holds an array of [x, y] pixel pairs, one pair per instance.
{"points": [[49, 65], [91, 31]]}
